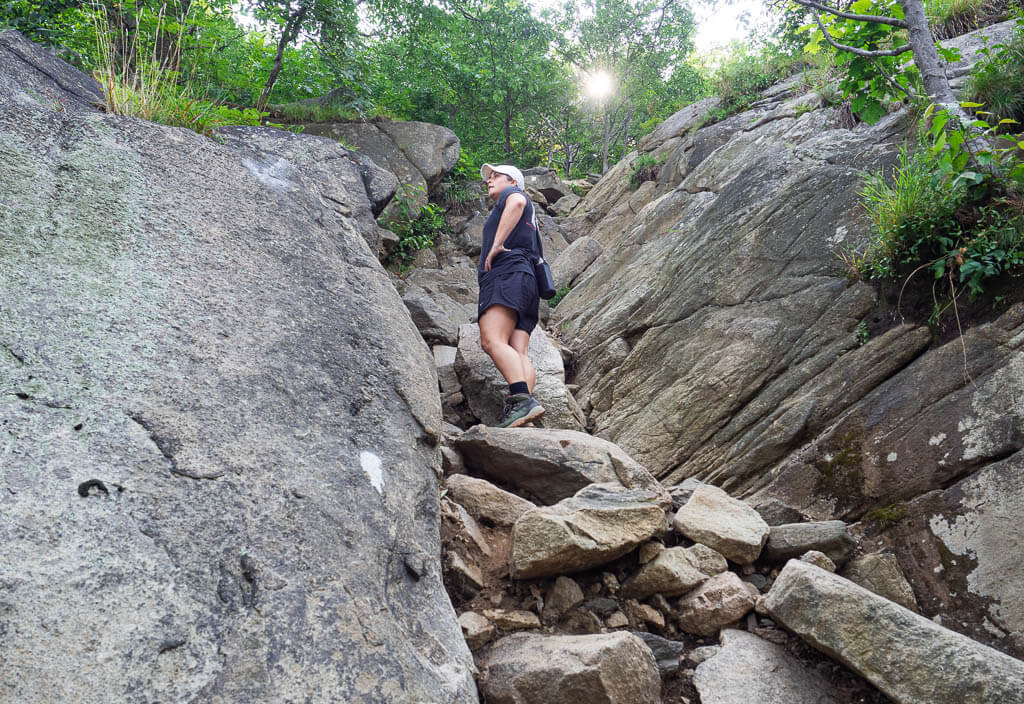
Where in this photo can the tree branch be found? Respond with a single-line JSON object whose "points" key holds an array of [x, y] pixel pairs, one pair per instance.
{"points": [[881, 19], [892, 82], [854, 50]]}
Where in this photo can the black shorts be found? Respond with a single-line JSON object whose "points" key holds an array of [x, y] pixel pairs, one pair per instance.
{"points": [[516, 290]]}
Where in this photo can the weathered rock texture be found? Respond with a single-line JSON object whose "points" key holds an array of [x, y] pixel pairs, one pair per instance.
{"points": [[551, 464], [218, 420], [717, 339], [599, 524], [616, 668], [418, 153], [748, 669], [486, 389], [723, 523], [910, 658]]}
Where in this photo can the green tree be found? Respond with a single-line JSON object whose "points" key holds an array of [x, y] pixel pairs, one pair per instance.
{"points": [[641, 44]]}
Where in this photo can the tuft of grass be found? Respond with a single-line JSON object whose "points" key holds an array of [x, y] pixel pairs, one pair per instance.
{"points": [[559, 295], [886, 516], [644, 168], [998, 79]]}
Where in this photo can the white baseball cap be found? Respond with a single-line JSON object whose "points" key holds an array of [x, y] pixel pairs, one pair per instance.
{"points": [[510, 171]]}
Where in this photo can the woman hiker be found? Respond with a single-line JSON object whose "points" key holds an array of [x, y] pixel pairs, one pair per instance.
{"points": [[508, 290]]}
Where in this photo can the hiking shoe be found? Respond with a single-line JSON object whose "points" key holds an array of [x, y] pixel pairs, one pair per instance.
{"points": [[519, 409]]}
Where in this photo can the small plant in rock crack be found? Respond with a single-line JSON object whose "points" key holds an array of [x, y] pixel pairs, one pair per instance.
{"points": [[862, 333], [644, 168], [559, 295], [417, 227]]}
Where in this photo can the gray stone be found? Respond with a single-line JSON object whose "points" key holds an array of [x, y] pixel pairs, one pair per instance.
{"points": [[599, 524], [220, 424], [908, 657], [723, 523], [748, 669], [794, 539], [666, 652], [819, 559], [477, 629], [673, 572], [681, 493], [564, 205], [613, 668], [699, 655], [776, 513], [563, 595], [719, 601], [881, 573], [513, 619], [617, 620], [575, 260], [486, 389], [437, 325], [486, 502], [551, 464], [546, 182]]}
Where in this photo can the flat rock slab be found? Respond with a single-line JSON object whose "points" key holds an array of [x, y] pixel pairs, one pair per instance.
{"points": [[550, 464], [613, 668], [599, 524], [748, 669], [794, 539], [719, 521], [881, 573], [910, 658]]}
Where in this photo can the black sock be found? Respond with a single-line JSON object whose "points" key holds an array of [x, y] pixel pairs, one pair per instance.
{"points": [[518, 387]]}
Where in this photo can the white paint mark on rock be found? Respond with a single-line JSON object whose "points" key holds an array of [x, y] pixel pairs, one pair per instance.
{"points": [[892, 457], [937, 440], [273, 176], [374, 469]]}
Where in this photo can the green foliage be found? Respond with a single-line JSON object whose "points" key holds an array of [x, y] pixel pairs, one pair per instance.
{"points": [[998, 78], [559, 295], [949, 210], [644, 168], [885, 516], [745, 73], [417, 227], [868, 82], [863, 335]]}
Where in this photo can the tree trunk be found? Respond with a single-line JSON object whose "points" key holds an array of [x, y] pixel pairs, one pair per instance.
{"points": [[291, 30], [606, 138], [922, 44]]}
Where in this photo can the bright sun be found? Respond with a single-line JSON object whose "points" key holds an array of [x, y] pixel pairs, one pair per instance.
{"points": [[598, 84]]}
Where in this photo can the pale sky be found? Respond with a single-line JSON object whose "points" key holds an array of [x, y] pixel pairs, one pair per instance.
{"points": [[718, 27]]}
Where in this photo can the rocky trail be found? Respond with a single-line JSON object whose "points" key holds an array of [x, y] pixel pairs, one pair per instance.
{"points": [[241, 461]]}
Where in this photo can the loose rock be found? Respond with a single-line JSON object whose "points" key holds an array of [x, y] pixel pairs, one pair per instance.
{"points": [[721, 600], [881, 573], [719, 521], [614, 668], [794, 539], [486, 502], [748, 669]]}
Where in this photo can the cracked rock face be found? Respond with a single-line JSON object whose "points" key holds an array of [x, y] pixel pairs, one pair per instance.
{"points": [[717, 339], [216, 419]]}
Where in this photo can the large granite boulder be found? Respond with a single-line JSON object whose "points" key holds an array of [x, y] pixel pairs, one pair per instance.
{"points": [[551, 464], [910, 658], [418, 153], [219, 423], [613, 668]]}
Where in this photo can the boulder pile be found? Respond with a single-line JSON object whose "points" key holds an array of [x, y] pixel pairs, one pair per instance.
{"points": [[574, 582]]}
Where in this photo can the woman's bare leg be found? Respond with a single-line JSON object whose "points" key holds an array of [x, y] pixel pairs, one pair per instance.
{"points": [[497, 326], [520, 342]]}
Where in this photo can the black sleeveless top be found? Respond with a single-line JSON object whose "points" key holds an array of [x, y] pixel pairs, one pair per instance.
{"points": [[522, 241]]}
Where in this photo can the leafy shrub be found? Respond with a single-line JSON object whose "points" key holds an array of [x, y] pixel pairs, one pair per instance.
{"points": [[644, 168], [746, 72], [417, 228], [998, 79], [938, 213]]}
